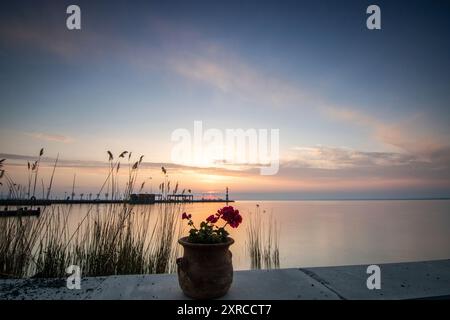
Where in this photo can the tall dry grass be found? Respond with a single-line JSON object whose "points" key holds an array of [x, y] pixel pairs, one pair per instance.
{"points": [[262, 240], [128, 239], [18, 237], [119, 239], [49, 257]]}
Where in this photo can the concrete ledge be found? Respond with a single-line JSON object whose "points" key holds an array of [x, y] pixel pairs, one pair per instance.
{"points": [[398, 280], [414, 280]]}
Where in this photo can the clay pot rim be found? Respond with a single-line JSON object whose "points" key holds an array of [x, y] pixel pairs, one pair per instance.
{"points": [[184, 242]]}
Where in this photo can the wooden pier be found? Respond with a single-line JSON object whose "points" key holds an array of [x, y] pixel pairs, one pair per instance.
{"points": [[41, 203], [20, 212], [136, 198]]}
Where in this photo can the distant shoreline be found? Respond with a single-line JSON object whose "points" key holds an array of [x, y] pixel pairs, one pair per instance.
{"points": [[12, 202], [349, 199]]}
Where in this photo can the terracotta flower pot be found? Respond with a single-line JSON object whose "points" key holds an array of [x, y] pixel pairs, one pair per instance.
{"points": [[205, 271]]}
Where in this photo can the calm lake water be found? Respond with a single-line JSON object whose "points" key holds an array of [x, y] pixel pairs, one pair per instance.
{"points": [[325, 233]]}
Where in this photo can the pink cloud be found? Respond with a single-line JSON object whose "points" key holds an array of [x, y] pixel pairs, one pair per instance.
{"points": [[49, 137], [411, 135]]}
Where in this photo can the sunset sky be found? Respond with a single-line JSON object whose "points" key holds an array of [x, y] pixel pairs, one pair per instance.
{"points": [[361, 114]]}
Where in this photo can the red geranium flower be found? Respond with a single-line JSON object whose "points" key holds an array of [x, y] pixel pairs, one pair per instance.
{"points": [[212, 218], [186, 216], [209, 231], [231, 216]]}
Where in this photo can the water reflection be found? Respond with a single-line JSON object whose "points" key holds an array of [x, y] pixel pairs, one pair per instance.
{"points": [[320, 233]]}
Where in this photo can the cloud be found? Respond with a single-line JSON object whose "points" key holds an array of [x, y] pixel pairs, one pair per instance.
{"points": [[213, 65], [44, 38], [49, 137], [325, 166], [230, 75], [21, 160], [179, 49], [189, 55], [323, 157], [320, 169], [74, 47], [411, 135]]}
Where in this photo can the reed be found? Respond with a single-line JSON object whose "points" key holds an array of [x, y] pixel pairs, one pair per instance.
{"points": [[164, 250], [262, 241], [116, 239], [49, 256], [18, 238], [13, 257], [121, 239]]}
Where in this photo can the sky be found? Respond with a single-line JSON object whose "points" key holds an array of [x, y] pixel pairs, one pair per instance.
{"points": [[361, 113]]}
